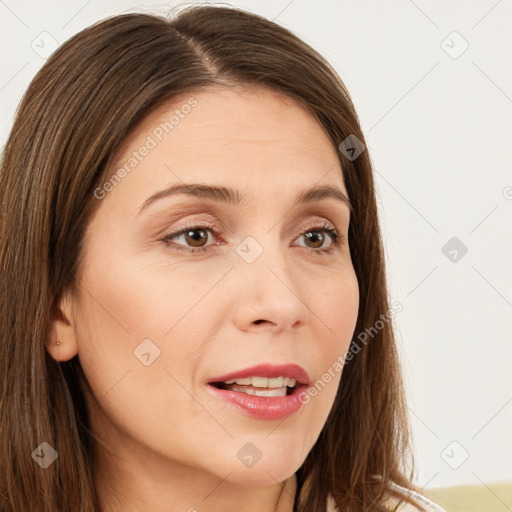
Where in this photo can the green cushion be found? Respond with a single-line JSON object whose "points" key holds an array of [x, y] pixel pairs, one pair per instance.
{"points": [[473, 498]]}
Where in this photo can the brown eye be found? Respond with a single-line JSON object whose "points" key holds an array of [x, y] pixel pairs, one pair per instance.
{"points": [[196, 237], [190, 239], [316, 238]]}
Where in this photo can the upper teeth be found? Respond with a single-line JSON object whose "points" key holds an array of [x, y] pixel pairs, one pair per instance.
{"points": [[264, 382]]}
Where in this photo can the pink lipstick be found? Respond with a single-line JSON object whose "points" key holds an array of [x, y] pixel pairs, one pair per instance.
{"points": [[265, 391]]}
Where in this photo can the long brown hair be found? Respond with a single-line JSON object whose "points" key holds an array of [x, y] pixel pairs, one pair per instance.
{"points": [[87, 98]]}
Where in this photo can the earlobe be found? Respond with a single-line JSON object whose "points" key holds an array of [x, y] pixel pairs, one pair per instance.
{"points": [[62, 344]]}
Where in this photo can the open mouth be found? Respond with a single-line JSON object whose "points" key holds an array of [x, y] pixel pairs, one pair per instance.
{"points": [[267, 398], [260, 386]]}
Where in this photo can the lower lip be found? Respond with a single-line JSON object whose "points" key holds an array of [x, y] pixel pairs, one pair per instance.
{"points": [[262, 407]]}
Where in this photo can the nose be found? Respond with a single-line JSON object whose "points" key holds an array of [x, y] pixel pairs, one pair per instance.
{"points": [[269, 293]]}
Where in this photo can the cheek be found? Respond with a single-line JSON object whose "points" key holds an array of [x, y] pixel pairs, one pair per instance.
{"points": [[140, 351], [335, 313], [144, 297], [336, 305], [143, 328]]}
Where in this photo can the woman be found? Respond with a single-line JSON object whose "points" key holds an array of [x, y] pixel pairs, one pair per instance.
{"points": [[191, 259]]}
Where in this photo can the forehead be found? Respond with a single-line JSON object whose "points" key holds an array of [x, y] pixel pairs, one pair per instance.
{"points": [[247, 137]]}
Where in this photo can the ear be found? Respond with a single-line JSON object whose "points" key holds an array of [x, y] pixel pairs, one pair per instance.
{"points": [[63, 344]]}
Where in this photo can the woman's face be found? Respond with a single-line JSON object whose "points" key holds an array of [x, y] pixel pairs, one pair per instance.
{"points": [[154, 323]]}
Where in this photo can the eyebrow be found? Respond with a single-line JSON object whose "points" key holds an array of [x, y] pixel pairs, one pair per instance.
{"points": [[234, 198]]}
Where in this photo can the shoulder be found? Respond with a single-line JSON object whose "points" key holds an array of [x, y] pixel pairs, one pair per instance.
{"points": [[394, 504]]}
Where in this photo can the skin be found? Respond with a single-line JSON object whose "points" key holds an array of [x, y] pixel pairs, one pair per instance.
{"points": [[173, 444]]}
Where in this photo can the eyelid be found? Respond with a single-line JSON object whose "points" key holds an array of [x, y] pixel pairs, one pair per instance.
{"points": [[196, 223], [318, 224]]}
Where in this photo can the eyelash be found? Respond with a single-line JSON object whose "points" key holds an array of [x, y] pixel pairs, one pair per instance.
{"points": [[336, 237]]}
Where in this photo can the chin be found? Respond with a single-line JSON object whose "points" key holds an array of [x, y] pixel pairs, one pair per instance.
{"points": [[264, 475], [259, 467]]}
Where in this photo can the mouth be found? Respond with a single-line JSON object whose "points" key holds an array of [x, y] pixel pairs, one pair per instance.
{"points": [[263, 391]]}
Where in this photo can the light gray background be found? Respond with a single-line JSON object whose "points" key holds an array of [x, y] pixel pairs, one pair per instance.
{"points": [[439, 129]]}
